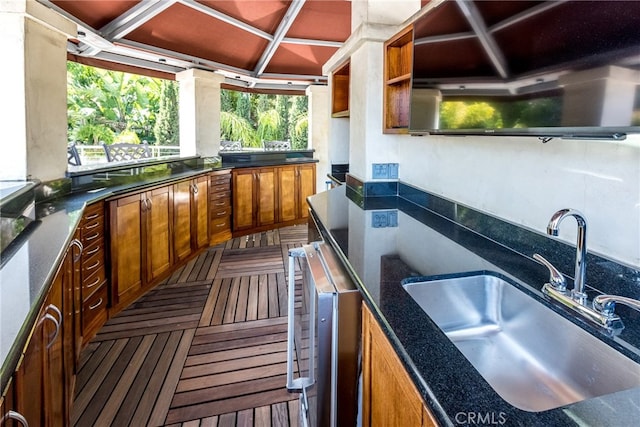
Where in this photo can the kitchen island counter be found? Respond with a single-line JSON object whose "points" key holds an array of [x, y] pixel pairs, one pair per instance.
{"points": [[382, 240]]}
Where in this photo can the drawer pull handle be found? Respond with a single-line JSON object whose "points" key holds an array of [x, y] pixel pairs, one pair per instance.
{"points": [[13, 415], [96, 305], [92, 237], [78, 244], [223, 213], [92, 216], [92, 226], [94, 265], [93, 251], [48, 316], [221, 203], [95, 282], [221, 225]]}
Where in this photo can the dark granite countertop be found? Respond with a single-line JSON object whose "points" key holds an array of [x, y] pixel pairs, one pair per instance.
{"points": [[382, 240], [29, 269]]}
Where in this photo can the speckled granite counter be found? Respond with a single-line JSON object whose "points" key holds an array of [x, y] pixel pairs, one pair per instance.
{"points": [[28, 270], [253, 159], [382, 240]]}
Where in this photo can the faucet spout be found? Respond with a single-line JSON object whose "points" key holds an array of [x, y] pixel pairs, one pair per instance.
{"points": [[581, 249]]}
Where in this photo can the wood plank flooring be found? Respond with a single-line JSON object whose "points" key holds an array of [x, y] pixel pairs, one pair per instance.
{"points": [[207, 347]]}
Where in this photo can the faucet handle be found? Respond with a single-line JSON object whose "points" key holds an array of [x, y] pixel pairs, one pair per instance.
{"points": [[606, 304], [556, 279]]}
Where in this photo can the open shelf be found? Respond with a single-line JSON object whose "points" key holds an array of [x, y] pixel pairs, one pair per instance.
{"points": [[340, 92], [398, 61]]}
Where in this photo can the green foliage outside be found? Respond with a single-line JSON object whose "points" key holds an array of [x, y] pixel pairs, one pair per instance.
{"points": [[253, 118], [110, 106], [166, 129], [500, 115]]}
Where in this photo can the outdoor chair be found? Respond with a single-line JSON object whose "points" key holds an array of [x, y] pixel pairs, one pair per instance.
{"points": [[73, 157], [276, 145], [230, 146], [122, 151]]}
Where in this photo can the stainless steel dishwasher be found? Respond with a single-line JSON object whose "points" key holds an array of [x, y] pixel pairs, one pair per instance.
{"points": [[323, 337]]}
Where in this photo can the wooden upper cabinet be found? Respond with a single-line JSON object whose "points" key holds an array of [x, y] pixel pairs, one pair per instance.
{"points": [[398, 62], [340, 81], [182, 219], [157, 205]]}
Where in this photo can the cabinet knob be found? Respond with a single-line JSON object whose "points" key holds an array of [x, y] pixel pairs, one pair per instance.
{"points": [[13, 415]]}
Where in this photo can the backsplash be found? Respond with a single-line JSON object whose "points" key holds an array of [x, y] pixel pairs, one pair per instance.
{"points": [[603, 274]]}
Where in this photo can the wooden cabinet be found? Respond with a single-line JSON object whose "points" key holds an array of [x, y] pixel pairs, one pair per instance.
{"points": [[9, 415], [219, 206], [254, 198], [156, 210], [190, 216], [340, 80], [398, 61], [200, 212], [93, 276], [264, 198], [389, 397], [125, 216], [151, 232], [182, 219], [295, 184], [141, 244], [43, 381]]}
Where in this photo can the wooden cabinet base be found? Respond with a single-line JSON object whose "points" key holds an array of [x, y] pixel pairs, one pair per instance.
{"points": [[389, 397]]}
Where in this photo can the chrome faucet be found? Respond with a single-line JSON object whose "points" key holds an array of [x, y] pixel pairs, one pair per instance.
{"points": [[577, 293], [601, 310]]}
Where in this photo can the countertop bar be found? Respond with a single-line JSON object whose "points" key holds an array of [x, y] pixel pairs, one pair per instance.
{"points": [[382, 240], [28, 270]]}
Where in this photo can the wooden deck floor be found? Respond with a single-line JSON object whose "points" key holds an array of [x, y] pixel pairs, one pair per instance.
{"points": [[207, 347]]}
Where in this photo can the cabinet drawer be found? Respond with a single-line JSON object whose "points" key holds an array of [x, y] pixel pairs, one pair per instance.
{"points": [[89, 237], [220, 205], [92, 264], [222, 224], [94, 309], [221, 195], [221, 188], [220, 179], [92, 226], [92, 282], [94, 247]]}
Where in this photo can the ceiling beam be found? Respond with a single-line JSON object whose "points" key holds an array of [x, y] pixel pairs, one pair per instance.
{"points": [[281, 31], [526, 14], [226, 18], [135, 18], [473, 16], [312, 42]]}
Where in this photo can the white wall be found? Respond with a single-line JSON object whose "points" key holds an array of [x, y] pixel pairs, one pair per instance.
{"points": [[525, 181]]}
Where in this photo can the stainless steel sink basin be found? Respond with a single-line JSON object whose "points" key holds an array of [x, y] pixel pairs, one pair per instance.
{"points": [[532, 357]]}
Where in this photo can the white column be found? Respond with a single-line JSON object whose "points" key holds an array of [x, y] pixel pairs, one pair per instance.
{"points": [[371, 20], [199, 112], [33, 83], [319, 108]]}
